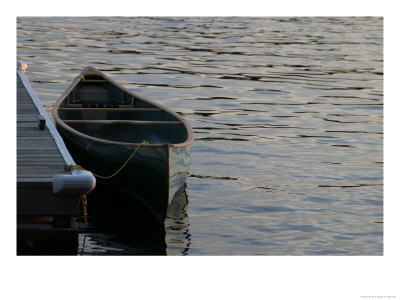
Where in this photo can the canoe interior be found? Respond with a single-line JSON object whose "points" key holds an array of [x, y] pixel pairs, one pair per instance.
{"points": [[121, 114], [97, 99], [95, 90]]}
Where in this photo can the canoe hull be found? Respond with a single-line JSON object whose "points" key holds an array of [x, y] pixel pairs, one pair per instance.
{"points": [[152, 176], [179, 158]]}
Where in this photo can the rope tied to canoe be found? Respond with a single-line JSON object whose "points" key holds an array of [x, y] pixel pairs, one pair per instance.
{"points": [[79, 167]]}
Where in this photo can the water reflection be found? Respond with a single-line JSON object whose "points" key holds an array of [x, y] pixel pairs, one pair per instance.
{"points": [[178, 237], [118, 225]]}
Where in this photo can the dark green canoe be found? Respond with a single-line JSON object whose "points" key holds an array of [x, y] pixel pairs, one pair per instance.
{"points": [[103, 124]]}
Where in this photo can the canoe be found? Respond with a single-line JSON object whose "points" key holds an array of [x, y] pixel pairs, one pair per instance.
{"points": [[131, 144]]}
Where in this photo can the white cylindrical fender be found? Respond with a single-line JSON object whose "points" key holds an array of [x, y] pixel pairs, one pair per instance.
{"points": [[80, 182]]}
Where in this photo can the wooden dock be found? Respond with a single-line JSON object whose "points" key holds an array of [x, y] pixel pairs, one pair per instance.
{"points": [[45, 222]]}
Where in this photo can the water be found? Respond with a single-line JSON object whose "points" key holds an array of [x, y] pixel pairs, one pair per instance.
{"points": [[288, 122]]}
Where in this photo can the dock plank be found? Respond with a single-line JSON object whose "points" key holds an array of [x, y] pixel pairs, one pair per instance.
{"points": [[38, 157]]}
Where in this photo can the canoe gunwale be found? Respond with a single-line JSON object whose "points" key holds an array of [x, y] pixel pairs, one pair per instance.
{"points": [[130, 122], [93, 71]]}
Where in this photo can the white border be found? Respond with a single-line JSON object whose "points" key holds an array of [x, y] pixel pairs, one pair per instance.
{"points": [[223, 277]]}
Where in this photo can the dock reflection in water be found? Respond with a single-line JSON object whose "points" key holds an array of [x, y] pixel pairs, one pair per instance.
{"points": [[119, 225]]}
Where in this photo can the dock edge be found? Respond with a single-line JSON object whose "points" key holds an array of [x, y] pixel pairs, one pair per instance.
{"points": [[83, 181]]}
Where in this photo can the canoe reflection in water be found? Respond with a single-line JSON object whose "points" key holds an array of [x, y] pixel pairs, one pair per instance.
{"points": [[119, 226], [178, 238]]}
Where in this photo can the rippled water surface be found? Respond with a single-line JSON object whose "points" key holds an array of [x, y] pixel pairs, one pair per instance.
{"points": [[288, 122]]}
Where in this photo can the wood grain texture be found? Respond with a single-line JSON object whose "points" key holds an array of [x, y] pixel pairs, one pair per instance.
{"points": [[38, 157]]}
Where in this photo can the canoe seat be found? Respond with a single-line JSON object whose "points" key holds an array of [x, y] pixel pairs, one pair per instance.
{"points": [[96, 104], [93, 93], [100, 105]]}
